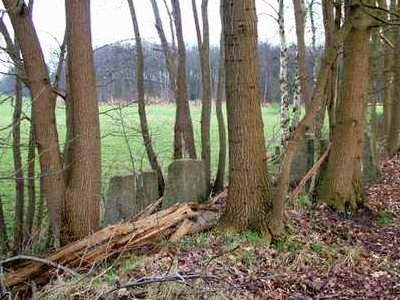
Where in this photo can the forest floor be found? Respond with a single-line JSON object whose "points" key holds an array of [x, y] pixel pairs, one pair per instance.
{"points": [[323, 256]]}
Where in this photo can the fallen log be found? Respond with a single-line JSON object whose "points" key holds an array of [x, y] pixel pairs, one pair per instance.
{"points": [[145, 230]]}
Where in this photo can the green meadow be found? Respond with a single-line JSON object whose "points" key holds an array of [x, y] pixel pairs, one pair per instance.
{"points": [[122, 147]]}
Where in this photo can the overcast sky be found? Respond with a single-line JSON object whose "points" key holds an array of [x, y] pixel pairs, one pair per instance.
{"points": [[111, 21]]}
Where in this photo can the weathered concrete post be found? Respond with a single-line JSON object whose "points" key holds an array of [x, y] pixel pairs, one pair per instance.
{"points": [[128, 195], [186, 182]]}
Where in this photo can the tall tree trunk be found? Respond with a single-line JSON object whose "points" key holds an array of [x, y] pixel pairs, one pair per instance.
{"points": [[328, 11], [300, 14], [43, 109], [393, 143], [184, 138], [249, 202], [342, 188], [388, 75], [18, 167], [151, 154], [283, 77], [220, 177], [84, 188], [203, 42], [314, 53]]}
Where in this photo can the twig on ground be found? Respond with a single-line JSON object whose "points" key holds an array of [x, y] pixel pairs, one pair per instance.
{"points": [[39, 260], [179, 278]]}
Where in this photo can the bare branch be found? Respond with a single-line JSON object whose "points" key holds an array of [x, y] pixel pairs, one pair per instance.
{"points": [[39, 260]]}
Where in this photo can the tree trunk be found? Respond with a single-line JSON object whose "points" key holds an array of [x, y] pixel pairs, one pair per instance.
{"points": [[203, 42], [393, 142], [314, 53], [3, 231], [40, 207], [388, 77], [151, 154], [249, 203], [220, 177], [30, 213], [342, 188], [296, 108], [169, 53], [184, 138], [18, 167], [300, 14], [283, 77], [84, 188], [43, 109], [328, 10]]}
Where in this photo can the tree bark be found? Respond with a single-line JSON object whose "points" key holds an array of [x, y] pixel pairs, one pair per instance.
{"points": [[249, 202], [43, 109], [18, 167], [84, 188], [203, 42], [184, 138], [342, 188], [151, 154]]}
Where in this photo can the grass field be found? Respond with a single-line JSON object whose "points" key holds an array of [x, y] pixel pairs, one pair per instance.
{"points": [[121, 152]]}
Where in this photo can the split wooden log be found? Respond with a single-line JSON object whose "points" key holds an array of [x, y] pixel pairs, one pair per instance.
{"points": [[172, 224]]}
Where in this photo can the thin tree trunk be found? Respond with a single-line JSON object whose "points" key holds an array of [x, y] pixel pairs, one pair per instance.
{"points": [[151, 154], [220, 177], [30, 213], [84, 187], [43, 108], [203, 42], [3, 230], [169, 53], [328, 10], [283, 77], [388, 76], [393, 143], [184, 145], [313, 39], [374, 95], [18, 167], [40, 207], [342, 188], [296, 109], [300, 14], [249, 202]]}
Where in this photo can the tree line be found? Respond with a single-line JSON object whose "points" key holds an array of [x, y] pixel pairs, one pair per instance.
{"points": [[343, 85]]}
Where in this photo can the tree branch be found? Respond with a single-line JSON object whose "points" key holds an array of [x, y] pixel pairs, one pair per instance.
{"points": [[39, 260]]}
